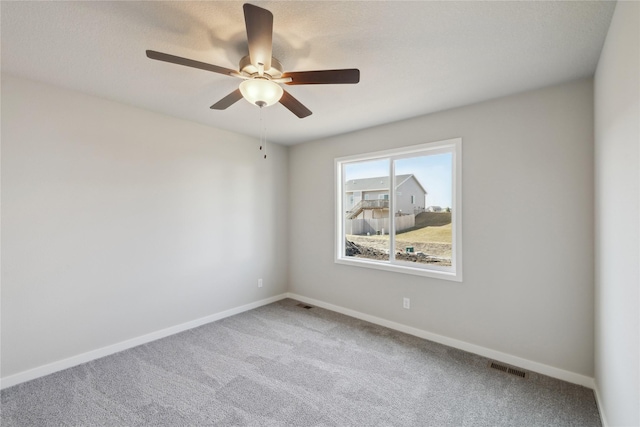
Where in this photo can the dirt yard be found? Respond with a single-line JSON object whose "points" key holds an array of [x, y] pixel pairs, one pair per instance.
{"points": [[377, 247]]}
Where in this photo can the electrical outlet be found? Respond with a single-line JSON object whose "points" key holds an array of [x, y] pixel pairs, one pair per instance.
{"points": [[259, 283], [406, 303]]}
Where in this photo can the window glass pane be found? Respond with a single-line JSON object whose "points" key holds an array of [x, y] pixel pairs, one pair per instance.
{"points": [[366, 209], [422, 209], [399, 210]]}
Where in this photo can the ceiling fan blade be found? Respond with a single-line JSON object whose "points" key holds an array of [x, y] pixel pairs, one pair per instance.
{"points": [[189, 62], [323, 77], [294, 105], [259, 23], [227, 101]]}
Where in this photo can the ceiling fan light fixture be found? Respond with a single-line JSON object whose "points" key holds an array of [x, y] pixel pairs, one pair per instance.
{"points": [[261, 92], [263, 72]]}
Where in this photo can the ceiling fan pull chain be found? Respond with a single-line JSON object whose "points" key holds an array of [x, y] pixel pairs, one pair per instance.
{"points": [[260, 130], [263, 134], [263, 130]]}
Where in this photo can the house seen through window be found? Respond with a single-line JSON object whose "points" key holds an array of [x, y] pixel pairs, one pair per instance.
{"points": [[400, 210]]}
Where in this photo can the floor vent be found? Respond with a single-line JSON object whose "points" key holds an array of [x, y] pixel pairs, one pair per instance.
{"points": [[304, 306], [508, 370]]}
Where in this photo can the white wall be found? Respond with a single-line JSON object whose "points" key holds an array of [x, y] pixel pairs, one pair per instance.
{"points": [[119, 222], [617, 189], [527, 223]]}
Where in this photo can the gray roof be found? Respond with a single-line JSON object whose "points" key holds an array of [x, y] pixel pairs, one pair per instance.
{"points": [[377, 183]]}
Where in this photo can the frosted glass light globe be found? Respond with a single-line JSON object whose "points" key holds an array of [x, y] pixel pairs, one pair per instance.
{"points": [[261, 92]]}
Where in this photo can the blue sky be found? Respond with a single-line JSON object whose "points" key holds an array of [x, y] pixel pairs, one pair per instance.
{"points": [[433, 172]]}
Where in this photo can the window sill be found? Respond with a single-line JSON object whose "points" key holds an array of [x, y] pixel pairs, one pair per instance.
{"points": [[433, 272]]}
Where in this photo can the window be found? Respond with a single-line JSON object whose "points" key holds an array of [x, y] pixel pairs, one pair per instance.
{"points": [[410, 221]]}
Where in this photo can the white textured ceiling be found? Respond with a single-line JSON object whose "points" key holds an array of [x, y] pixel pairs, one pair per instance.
{"points": [[414, 57]]}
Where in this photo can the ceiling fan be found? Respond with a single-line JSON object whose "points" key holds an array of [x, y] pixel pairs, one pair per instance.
{"points": [[263, 74]]}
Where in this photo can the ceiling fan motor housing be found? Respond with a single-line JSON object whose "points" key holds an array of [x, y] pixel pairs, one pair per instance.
{"points": [[247, 68]]}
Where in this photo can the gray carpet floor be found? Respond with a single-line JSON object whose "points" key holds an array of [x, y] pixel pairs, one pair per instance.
{"points": [[284, 365]]}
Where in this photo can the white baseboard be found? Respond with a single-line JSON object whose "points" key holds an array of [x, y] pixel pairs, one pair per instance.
{"points": [[70, 362], [462, 345], [530, 365], [603, 418]]}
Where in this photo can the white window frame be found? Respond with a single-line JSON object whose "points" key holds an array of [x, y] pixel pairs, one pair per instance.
{"points": [[454, 273]]}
